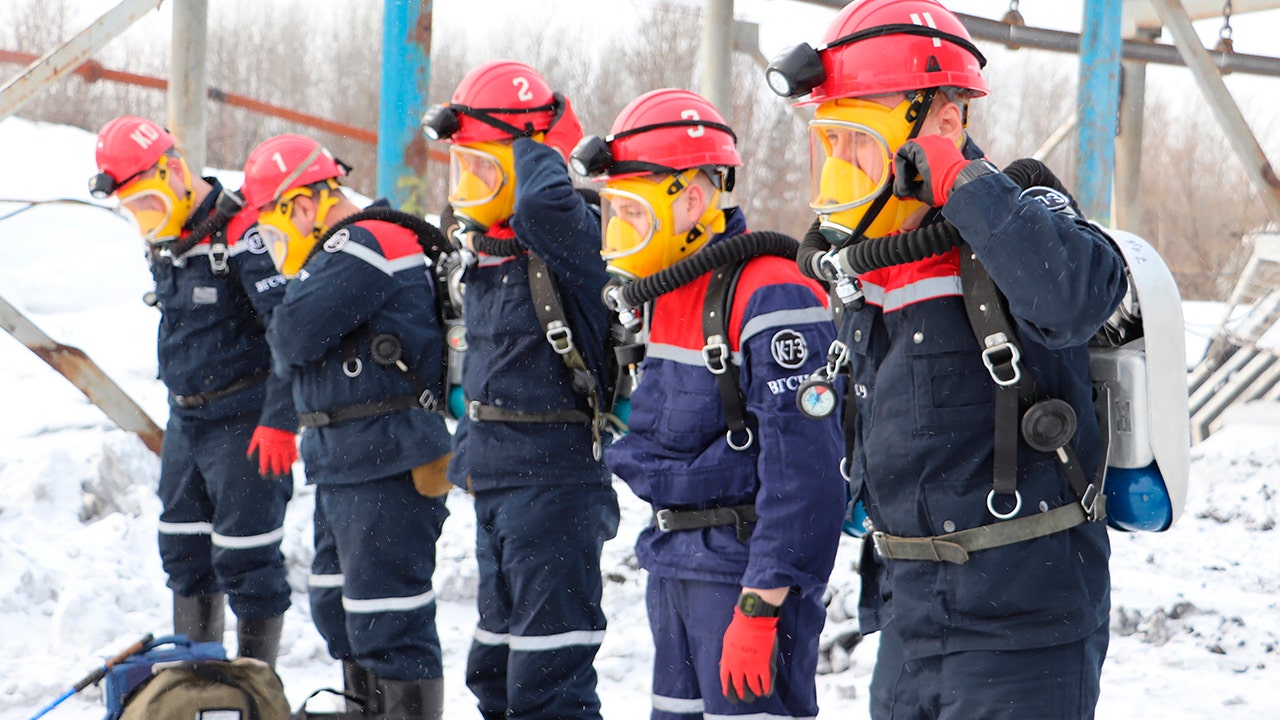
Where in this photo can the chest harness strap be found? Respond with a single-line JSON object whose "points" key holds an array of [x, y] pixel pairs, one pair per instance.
{"points": [[1046, 425], [718, 356]]}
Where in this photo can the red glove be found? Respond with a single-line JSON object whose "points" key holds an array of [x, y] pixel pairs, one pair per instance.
{"points": [[747, 659], [926, 168], [276, 449], [566, 133]]}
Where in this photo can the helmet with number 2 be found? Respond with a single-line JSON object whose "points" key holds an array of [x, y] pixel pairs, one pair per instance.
{"points": [[661, 145], [495, 103]]}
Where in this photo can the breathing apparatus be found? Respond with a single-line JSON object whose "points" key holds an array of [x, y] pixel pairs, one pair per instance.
{"points": [[288, 247]]}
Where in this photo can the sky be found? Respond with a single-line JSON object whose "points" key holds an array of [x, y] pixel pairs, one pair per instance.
{"points": [[1196, 610]]}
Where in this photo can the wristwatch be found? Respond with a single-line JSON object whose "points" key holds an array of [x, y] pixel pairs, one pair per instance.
{"points": [[752, 605]]}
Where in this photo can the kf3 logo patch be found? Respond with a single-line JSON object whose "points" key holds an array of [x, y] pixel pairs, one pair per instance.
{"points": [[789, 349]]}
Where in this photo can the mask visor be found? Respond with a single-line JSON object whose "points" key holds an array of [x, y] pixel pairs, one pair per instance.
{"points": [[849, 165]]}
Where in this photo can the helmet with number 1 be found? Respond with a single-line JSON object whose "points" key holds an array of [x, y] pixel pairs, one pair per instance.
{"points": [[662, 143], [893, 51], [278, 172], [137, 160], [496, 102]]}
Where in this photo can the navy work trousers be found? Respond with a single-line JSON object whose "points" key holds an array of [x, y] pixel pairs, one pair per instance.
{"points": [[1059, 682], [538, 550], [222, 522], [371, 594]]}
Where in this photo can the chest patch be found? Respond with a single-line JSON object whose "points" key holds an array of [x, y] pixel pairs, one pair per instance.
{"points": [[256, 244], [337, 241], [789, 348], [204, 295]]}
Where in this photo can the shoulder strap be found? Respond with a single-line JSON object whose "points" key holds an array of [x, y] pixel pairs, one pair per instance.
{"points": [[717, 355], [545, 292], [995, 332]]}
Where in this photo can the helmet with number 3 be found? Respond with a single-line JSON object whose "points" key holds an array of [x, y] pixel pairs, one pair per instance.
{"points": [[662, 145]]}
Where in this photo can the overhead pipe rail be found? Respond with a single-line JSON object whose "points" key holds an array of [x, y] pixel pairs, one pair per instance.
{"points": [[92, 71]]}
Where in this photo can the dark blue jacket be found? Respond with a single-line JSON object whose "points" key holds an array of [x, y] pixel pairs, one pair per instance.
{"points": [[925, 427], [369, 278], [509, 363], [676, 454], [213, 327]]}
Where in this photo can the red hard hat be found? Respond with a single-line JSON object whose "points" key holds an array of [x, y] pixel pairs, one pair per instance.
{"points": [[675, 129], [285, 162], [500, 85], [877, 47], [130, 145]]}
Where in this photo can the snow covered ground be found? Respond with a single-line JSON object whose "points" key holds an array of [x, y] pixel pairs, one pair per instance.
{"points": [[1196, 621]]}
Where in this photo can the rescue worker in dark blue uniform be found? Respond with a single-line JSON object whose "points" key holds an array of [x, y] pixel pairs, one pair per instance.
{"points": [[527, 447], [223, 516], [986, 571], [747, 517], [359, 338]]}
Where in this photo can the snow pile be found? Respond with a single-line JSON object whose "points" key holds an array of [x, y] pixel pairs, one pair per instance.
{"points": [[1196, 618]]}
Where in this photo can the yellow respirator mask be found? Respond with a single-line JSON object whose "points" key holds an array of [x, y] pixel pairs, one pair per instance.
{"points": [[158, 212], [482, 183], [287, 246], [851, 147], [637, 214]]}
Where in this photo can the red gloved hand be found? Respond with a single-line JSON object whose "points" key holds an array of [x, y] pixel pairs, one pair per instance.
{"points": [[926, 168], [747, 659], [276, 449], [566, 133]]}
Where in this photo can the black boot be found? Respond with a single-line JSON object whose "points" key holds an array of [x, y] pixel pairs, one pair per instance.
{"points": [[260, 638], [358, 682], [411, 699], [200, 617]]}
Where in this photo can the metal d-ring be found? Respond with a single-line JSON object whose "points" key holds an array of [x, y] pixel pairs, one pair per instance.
{"points": [[728, 437], [1017, 505]]}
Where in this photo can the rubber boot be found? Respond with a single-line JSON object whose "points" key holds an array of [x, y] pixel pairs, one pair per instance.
{"points": [[357, 682], [411, 699], [260, 638], [201, 618]]}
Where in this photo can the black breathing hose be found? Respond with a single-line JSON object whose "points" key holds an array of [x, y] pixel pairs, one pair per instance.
{"points": [[876, 253], [432, 240], [510, 247], [738, 247]]}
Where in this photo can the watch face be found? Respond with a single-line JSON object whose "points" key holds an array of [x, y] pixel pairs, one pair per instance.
{"points": [[752, 605]]}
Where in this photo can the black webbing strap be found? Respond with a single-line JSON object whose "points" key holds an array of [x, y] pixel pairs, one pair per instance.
{"points": [[994, 331], [740, 516], [718, 356], [477, 412], [204, 398], [325, 418], [545, 292], [992, 326]]}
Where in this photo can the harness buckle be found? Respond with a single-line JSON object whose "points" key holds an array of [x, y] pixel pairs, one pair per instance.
{"points": [[560, 337], [473, 411], [1001, 358], [715, 355], [428, 400], [1089, 502], [218, 258], [661, 519]]}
